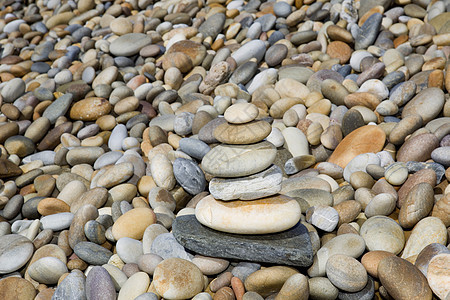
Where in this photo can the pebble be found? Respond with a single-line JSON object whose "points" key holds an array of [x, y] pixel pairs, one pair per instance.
{"points": [[169, 275], [346, 273]]}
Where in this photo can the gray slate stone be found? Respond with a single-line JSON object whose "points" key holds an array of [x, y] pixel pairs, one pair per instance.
{"points": [[194, 148], [290, 247], [366, 293], [189, 175]]}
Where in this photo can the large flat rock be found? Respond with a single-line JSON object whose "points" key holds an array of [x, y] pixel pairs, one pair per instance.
{"points": [[290, 247]]}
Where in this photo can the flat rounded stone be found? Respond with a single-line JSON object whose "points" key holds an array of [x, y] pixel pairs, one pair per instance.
{"points": [[15, 251], [403, 280], [382, 233], [237, 161], [250, 217], [133, 223], [210, 265], [346, 273], [254, 48], [365, 139], [241, 113], [13, 89], [371, 259], [47, 270], [418, 148], [428, 104], [92, 253], [242, 134], [116, 174], [295, 141], [169, 279], [90, 109], [129, 44], [16, 287], [129, 249], [322, 288], [72, 287]]}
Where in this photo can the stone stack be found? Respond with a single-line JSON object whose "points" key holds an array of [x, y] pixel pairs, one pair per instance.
{"points": [[244, 196]]}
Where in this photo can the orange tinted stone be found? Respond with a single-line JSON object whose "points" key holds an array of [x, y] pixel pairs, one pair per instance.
{"points": [[369, 138]]}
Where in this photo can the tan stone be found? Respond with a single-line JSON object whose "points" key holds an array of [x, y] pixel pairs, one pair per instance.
{"points": [[133, 223]]}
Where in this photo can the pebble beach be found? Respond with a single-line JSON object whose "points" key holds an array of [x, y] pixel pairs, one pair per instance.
{"points": [[225, 150]]}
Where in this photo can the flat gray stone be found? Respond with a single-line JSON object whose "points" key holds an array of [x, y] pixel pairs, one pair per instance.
{"points": [[72, 287], [92, 253], [15, 251], [290, 247], [99, 284], [58, 108], [166, 246], [129, 44]]}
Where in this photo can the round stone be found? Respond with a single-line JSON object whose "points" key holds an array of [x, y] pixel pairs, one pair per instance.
{"points": [[47, 270], [240, 113], [177, 278], [383, 233], [346, 273]]}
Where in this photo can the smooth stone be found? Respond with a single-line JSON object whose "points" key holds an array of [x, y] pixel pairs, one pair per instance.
{"points": [[365, 139], [118, 134], [348, 244], [323, 217], [189, 175], [108, 158], [423, 259], [427, 231], [15, 251], [269, 280], [295, 287], [115, 175], [83, 155], [95, 232], [371, 259], [133, 223], [92, 253], [242, 134], [295, 141], [213, 25], [13, 89], [129, 44], [129, 249], [58, 108], [403, 280], [384, 234], [259, 185], [16, 287], [322, 288], [99, 284], [72, 287], [428, 104], [169, 279], [441, 155], [210, 265], [237, 161], [136, 285], [194, 148], [166, 246], [162, 171], [418, 148], [47, 270], [57, 222], [216, 214], [241, 113], [346, 273], [383, 204], [293, 245], [417, 205], [90, 109], [253, 49], [368, 32]]}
